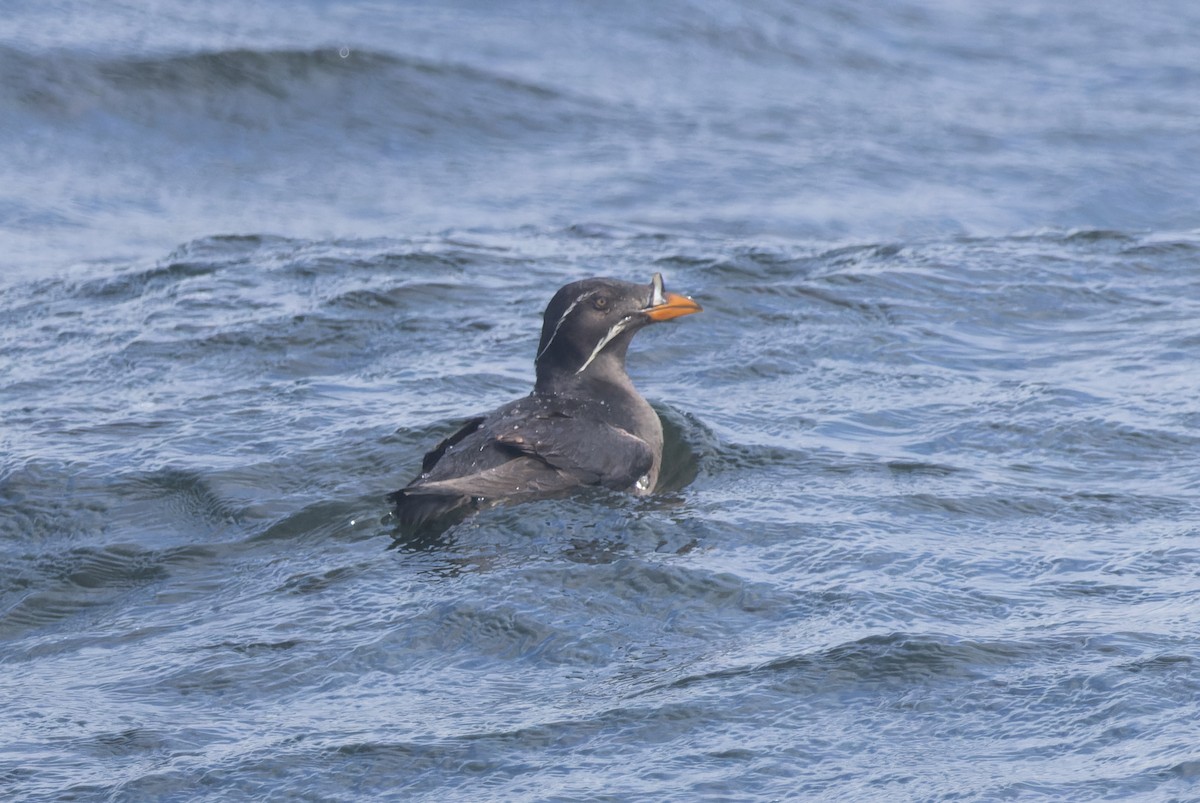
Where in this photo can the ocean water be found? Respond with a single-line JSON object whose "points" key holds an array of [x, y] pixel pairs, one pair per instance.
{"points": [[930, 527]]}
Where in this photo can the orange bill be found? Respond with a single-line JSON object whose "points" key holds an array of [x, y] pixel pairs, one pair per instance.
{"points": [[672, 306], [665, 306]]}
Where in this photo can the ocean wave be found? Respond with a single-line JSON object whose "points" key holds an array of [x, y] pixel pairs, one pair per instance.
{"points": [[263, 90]]}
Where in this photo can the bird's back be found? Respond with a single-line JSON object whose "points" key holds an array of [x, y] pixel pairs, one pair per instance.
{"points": [[530, 448]]}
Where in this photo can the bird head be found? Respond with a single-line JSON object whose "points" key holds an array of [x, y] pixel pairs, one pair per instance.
{"points": [[589, 323]]}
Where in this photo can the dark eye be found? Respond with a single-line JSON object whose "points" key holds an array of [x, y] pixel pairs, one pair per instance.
{"points": [[600, 302]]}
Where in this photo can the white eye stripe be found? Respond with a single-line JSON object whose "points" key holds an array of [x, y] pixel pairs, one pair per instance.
{"points": [[570, 308]]}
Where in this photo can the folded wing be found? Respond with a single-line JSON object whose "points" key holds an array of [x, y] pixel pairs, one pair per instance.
{"points": [[520, 453]]}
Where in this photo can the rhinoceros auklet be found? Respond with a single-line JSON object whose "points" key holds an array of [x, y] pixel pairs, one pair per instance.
{"points": [[583, 424]]}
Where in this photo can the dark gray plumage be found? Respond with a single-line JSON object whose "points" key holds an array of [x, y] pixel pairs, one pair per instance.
{"points": [[583, 424]]}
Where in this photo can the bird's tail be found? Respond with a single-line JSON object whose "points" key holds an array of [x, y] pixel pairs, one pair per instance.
{"points": [[414, 510]]}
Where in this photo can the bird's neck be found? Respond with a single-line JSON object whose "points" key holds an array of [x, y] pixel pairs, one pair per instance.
{"points": [[603, 378]]}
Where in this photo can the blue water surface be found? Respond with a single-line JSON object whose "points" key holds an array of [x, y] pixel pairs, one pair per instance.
{"points": [[929, 528]]}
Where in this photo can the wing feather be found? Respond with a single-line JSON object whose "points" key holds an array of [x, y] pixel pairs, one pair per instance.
{"points": [[519, 452]]}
